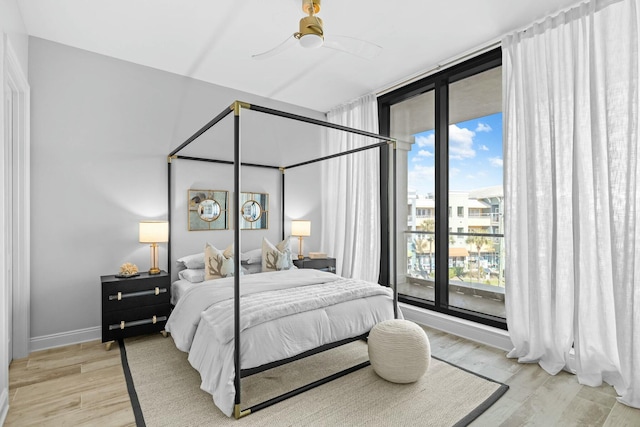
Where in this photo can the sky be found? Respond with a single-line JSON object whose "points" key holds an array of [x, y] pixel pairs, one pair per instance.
{"points": [[475, 156]]}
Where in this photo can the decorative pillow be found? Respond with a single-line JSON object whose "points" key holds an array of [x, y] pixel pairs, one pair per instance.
{"points": [[276, 257], [218, 263], [192, 275], [252, 257], [195, 261]]}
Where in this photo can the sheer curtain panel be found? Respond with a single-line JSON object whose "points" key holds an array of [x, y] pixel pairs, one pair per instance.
{"points": [[572, 183], [351, 187]]}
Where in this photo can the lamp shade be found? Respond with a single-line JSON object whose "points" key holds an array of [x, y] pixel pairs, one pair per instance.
{"points": [[301, 228], [154, 231]]}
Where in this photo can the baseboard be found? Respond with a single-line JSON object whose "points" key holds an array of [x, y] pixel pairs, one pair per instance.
{"points": [[477, 332], [4, 405], [65, 338]]}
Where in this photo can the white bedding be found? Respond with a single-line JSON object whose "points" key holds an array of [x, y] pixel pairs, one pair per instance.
{"points": [[195, 326], [178, 288]]}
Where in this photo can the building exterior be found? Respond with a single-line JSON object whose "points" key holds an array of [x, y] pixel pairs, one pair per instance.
{"points": [[471, 215]]}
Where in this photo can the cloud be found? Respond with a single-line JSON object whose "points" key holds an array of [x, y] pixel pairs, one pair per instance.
{"points": [[496, 162], [461, 143], [426, 141], [483, 148], [425, 153], [483, 127], [421, 175]]}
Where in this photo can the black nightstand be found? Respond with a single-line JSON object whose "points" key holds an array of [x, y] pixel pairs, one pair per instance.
{"points": [[324, 264], [134, 306]]}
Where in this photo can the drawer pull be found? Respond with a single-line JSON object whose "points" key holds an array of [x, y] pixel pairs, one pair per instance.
{"points": [[120, 296], [123, 324]]}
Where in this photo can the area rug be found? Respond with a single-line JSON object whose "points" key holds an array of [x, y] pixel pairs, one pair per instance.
{"points": [[165, 391]]}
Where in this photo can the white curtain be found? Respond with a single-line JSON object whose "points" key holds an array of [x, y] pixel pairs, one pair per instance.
{"points": [[351, 187], [572, 183]]}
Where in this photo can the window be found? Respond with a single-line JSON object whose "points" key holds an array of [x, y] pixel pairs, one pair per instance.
{"points": [[454, 120]]}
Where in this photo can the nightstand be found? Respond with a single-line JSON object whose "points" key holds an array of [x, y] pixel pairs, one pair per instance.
{"points": [[324, 264], [134, 306]]}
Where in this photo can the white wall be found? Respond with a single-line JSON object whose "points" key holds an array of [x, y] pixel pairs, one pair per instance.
{"points": [[13, 34], [12, 26], [101, 131]]}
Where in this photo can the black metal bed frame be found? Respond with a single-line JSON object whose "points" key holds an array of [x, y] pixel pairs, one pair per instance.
{"points": [[236, 108]]}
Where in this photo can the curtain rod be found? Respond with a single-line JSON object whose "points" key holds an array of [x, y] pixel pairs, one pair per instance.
{"points": [[452, 61]]}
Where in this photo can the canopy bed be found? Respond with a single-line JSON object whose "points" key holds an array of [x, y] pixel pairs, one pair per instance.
{"points": [[326, 309]]}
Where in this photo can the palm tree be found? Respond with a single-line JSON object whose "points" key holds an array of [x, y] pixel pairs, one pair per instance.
{"points": [[478, 242], [428, 225]]}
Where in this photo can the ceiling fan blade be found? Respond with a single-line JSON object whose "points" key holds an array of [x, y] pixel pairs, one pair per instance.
{"points": [[290, 41], [353, 46]]}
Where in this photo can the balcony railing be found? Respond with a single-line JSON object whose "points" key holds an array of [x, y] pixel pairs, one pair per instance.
{"points": [[475, 259]]}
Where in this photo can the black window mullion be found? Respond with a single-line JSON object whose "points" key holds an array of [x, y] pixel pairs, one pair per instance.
{"points": [[384, 116], [442, 193]]}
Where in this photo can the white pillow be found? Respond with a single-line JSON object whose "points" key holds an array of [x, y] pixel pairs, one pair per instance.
{"points": [[192, 275], [252, 268], [276, 257], [252, 257], [195, 261], [218, 263]]}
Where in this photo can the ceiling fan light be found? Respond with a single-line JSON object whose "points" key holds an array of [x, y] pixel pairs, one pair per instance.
{"points": [[311, 41]]}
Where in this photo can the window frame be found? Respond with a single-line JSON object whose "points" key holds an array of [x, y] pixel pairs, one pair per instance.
{"points": [[439, 83]]}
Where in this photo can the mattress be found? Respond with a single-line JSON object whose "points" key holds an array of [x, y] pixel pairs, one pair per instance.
{"points": [[178, 288], [195, 330]]}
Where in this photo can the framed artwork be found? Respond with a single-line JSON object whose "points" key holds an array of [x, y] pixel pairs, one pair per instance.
{"points": [[208, 210], [254, 213]]}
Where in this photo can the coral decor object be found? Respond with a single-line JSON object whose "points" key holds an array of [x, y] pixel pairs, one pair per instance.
{"points": [[128, 270]]}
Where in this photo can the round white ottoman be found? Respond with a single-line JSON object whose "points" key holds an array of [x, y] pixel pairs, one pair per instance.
{"points": [[399, 351]]}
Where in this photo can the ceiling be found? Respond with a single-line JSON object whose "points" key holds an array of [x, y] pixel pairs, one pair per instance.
{"points": [[213, 40]]}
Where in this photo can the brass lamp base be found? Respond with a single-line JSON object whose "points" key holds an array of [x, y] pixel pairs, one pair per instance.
{"points": [[300, 254], [154, 259]]}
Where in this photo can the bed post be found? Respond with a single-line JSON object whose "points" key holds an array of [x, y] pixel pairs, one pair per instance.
{"points": [[236, 107], [395, 233], [169, 158], [282, 194]]}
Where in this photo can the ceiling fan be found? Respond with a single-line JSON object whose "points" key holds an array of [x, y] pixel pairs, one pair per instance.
{"points": [[312, 36]]}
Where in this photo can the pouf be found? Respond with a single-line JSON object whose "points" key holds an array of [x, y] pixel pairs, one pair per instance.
{"points": [[399, 351]]}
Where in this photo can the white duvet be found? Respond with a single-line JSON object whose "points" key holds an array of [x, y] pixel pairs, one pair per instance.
{"points": [[275, 325]]}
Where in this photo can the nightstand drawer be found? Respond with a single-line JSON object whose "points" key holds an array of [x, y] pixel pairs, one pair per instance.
{"points": [[120, 294], [126, 298], [128, 323], [324, 264]]}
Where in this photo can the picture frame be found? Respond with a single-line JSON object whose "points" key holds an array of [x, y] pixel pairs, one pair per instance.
{"points": [[207, 210], [254, 213]]}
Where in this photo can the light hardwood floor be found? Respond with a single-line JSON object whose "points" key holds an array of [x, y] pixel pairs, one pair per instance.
{"points": [[77, 385], [83, 385]]}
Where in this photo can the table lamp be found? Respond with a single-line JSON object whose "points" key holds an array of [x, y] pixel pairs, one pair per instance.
{"points": [[154, 232], [300, 228]]}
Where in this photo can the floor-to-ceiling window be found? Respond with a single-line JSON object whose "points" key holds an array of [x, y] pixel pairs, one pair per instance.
{"points": [[452, 241]]}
